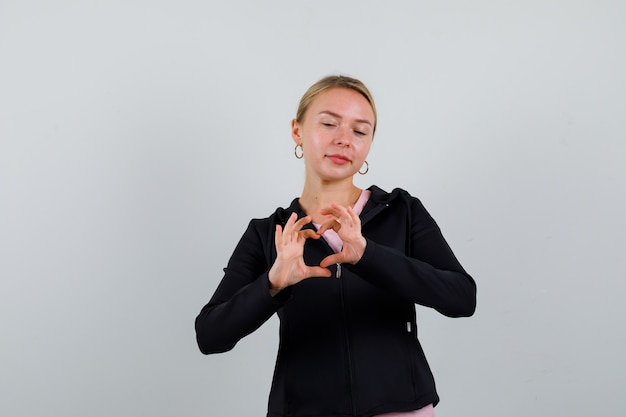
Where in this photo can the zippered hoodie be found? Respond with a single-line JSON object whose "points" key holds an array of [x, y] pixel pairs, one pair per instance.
{"points": [[348, 345]]}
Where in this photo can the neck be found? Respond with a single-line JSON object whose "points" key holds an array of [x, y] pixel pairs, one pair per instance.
{"points": [[318, 195]]}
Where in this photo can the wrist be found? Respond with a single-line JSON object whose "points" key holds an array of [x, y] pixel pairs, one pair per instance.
{"points": [[274, 287], [360, 249]]}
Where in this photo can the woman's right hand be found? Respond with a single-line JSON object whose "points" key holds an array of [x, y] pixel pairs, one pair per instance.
{"points": [[289, 267]]}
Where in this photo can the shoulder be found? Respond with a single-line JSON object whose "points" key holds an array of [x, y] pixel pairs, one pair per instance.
{"points": [[396, 195], [401, 199], [257, 240], [279, 216]]}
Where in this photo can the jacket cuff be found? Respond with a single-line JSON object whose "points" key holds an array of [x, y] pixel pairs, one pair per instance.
{"points": [[281, 297], [368, 257]]}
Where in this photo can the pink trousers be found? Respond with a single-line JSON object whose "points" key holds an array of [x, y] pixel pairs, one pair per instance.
{"points": [[427, 411]]}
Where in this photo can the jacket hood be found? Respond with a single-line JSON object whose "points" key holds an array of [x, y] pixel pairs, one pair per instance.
{"points": [[378, 197]]}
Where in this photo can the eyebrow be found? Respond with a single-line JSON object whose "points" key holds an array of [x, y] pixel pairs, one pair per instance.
{"points": [[330, 113]]}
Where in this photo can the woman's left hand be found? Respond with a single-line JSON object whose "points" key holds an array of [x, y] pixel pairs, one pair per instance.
{"points": [[347, 224]]}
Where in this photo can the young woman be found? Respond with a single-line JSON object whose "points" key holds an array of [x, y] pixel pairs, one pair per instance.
{"points": [[343, 268]]}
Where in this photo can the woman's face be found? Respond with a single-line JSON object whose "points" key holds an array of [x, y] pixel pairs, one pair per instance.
{"points": [[336, 134]]}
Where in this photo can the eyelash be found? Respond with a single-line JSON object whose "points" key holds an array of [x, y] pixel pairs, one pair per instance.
{"points": [[358, 132]]}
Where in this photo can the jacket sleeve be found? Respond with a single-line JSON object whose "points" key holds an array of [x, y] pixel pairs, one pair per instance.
{"points": [[430, 275], [242, 302]]}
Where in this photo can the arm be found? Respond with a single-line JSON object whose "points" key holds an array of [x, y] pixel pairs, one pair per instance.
{"points": [[430, 275], [242, 301], [249, 294]]}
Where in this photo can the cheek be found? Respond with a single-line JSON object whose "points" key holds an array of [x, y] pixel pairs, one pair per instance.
{"points": [[317, 140], [364, 149]]}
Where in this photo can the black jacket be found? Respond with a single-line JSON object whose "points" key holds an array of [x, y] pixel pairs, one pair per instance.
{"points": [[348, 346]]}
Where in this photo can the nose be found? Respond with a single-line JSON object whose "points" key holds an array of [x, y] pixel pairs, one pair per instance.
{"points": [[343, 136]]}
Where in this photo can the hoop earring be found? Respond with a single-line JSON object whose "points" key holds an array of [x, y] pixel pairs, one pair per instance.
{"points": [[367, 168], [295, 151]]}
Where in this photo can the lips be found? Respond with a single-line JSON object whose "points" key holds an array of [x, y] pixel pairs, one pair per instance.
{"points": [[338, 159]]}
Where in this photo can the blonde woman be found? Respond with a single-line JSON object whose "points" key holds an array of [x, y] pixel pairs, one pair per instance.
{"points": [[343, 268]]}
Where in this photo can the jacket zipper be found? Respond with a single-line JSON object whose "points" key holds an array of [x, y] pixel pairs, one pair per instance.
{"points": [[367, 217], [372, 213], [347, 340]]}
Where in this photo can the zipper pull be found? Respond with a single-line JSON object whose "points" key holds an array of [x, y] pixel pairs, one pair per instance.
{"points": [[338, 275], [408, 326]]}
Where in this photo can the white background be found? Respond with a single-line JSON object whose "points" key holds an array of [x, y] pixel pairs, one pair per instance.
{"points": [[137, 139]]}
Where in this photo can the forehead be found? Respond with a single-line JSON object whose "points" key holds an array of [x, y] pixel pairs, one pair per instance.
{"points": [[343, 101]]}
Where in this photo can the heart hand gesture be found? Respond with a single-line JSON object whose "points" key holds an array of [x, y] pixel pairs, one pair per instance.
{"points": [[346, 222], [289, 267]]}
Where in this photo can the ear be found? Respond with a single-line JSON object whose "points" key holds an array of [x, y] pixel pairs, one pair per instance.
{"points": [[295, 132]]}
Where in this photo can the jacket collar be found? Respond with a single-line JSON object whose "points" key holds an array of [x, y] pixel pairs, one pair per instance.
{"points": [[377, 201]]}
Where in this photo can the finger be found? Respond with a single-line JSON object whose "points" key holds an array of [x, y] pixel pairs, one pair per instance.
{"points": [[317, 271], [332, 210], [278, 235], [341, 213], [291, 220], [289, 228], [327, 211], [309, 234], [294, 224], [332, 224], [302, 222], [336, 258], [349, 216], [354, 215]]}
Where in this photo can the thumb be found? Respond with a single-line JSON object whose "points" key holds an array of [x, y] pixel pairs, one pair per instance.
{"points": [[318, 271], [331, 259]]}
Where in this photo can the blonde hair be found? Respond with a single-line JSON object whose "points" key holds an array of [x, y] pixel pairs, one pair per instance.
{"points": [[334, 81]]}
